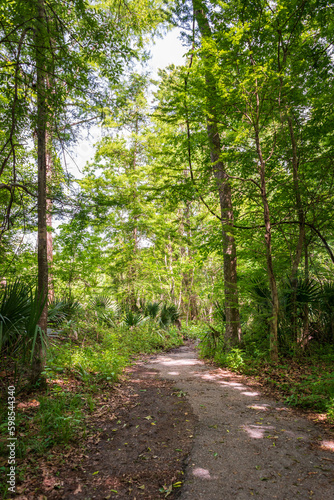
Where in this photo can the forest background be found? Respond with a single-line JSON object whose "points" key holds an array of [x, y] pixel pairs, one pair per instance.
{"points": [[206, 211]]}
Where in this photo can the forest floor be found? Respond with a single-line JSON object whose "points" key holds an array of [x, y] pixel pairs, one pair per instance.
{"points": [[180, 427]]}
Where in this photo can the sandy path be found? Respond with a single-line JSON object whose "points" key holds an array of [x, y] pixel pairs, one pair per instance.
{"points": [[246, 445]]}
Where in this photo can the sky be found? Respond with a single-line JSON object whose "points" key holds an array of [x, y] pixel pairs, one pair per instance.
{"points": [[165, 51], [168, 50]]}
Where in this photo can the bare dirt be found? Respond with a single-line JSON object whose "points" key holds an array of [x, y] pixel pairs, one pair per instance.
{"points": [[140, 437], [181, 427]]}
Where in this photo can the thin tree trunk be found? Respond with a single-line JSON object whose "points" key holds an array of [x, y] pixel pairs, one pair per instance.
{"points": [[42, 182], [301, 236], [300, 211], [306, 323], [210, 315], [193, 299], [184, 284], [133, 270], [270, 267], [188, 273], [49, 206], [169, 266], [41, 162], [233, 329], [267, 237]]}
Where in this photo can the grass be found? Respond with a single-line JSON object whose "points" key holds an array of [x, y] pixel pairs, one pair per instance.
{"points": [[57, 418]]}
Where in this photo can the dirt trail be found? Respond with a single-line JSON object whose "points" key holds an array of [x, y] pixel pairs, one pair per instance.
{"points": [[246, 445]]}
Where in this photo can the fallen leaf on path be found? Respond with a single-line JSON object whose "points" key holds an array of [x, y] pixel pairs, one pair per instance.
{"points": [[178, 484], [166, 490], [78, 490]]}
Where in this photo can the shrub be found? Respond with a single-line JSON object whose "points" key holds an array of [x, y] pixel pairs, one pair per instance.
{"points": [[60, 310], [21, 339], [234, 359]]}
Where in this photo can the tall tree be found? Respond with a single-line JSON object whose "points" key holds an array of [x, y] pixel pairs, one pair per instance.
{"points": [[42, 120], [233, 329]]}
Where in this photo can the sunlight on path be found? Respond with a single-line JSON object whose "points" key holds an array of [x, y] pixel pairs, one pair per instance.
{"points": [[246, 445]]}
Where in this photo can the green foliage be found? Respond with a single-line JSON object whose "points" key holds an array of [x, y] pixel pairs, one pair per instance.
{"points": [[313, 314], [211, 342], [323, 315], [106, 348], [105, 309], [193, 330], [306, 383], [330, 410], [169, 314], [60, 310], [101, 359], [59, 419], [233, 359], [151, 309], [219, 312], [21, 339], [149, 337], [133, 319]]}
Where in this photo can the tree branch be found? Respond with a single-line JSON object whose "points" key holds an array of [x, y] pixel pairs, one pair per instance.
{"points": [[311, 226], [12, 186]]}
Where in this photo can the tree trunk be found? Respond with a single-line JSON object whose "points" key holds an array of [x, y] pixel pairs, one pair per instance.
{"points": [[133, 270], [169, 267], [41, 162], [233, 329], [49, 206], [301, 236], [188, 272], [306, 324], [270, 267], [42, 254]]}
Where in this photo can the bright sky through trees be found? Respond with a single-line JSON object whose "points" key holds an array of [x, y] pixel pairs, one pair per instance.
{"points": [[167, 50]]}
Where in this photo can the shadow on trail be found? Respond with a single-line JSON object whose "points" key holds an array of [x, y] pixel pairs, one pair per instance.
{"points": [[246, 445]]}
